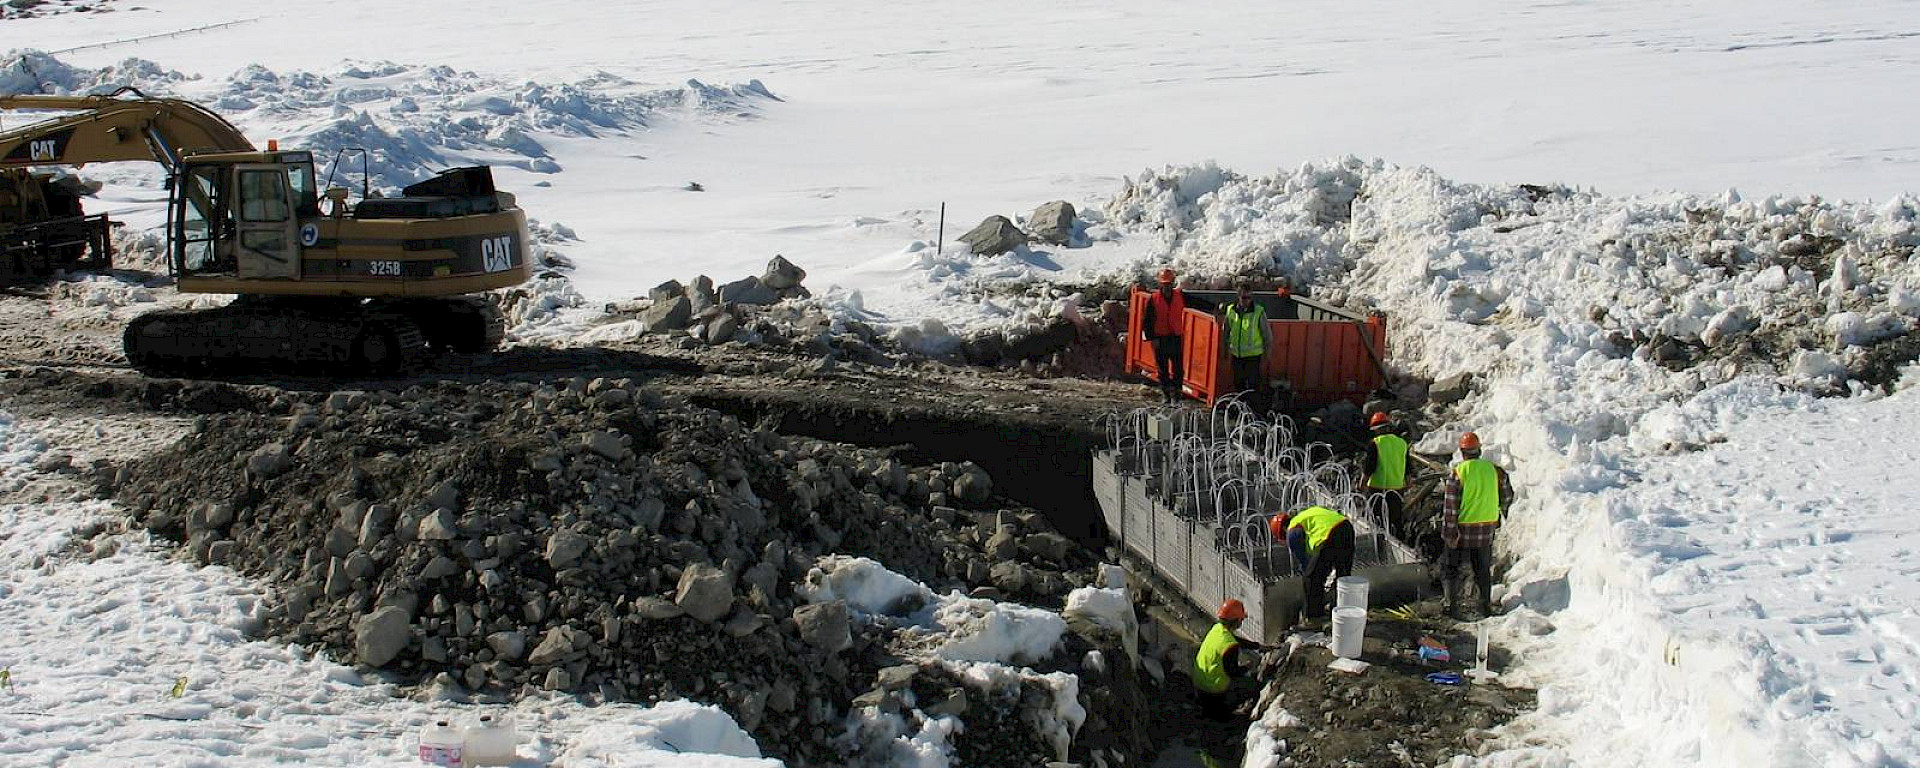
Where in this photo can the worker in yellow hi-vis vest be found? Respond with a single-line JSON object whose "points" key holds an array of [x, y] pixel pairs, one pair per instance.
{"points": [[1386, 467], [1246, 338], [1217, 664], [1477, 496], [1321, 542]]}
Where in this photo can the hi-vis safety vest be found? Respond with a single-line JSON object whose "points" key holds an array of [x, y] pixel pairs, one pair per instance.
{"points": [[1318, 522], [1210, 665], [1479, 491], [1243, 331], [1390, 473], [1167, 314]]}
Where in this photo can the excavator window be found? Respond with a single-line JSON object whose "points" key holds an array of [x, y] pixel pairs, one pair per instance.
{"points": [[306, 194], [263, 196], [202, 219]]}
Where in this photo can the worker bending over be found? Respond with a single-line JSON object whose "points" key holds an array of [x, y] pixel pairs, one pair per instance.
{"points": [[1386, 466], [1322, 540], [1166, 310], [1477, 493]]}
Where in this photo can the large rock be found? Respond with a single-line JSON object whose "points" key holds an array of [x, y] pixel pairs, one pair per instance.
{"points": [[1052, 223], [507, 646], [747, 290], [559, 643], [438, 526], [269, 460], [382, 635], [825, 626], [995, 235], [605, 443], [701, 293], [1047, 545], [1451, 389], [722, 328], [705, 593], [669, 314], [666, 291], [565, 547], [782, 274]]}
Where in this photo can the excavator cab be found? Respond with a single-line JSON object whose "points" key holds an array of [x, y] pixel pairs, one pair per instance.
{"points": [[242, 215]]}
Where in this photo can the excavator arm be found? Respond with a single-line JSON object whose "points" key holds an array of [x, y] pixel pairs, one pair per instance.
{"points": [[109, 128]]}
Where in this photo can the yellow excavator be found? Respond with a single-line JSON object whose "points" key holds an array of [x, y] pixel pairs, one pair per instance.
{"points": [[373, 287]]}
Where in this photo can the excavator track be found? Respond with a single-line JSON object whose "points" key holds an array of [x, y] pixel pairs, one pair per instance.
{"points": [[311, 336]]}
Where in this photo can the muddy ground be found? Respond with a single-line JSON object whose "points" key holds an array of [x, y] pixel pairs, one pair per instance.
{"points": [[61, 375]]}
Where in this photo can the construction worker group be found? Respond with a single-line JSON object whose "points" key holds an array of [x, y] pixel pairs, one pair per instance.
{"points": [[1475, 493]]}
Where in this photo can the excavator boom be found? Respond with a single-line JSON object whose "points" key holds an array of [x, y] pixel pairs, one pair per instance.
{"points": [[109, 129]]}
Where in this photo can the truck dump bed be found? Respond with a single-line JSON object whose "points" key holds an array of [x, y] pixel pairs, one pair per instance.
{"points": [[1323, 353]]}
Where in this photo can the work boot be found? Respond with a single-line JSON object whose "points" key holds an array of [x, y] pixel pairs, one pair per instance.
{"points": [[1451, 589]]}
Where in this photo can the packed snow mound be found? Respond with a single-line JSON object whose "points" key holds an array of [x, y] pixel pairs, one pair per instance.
{"points": [[673, 734], [988, 630], [866, 586], [414, 119], [952, 626]]}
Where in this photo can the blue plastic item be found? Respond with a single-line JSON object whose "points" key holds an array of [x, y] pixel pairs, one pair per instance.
{"points": [[1444, 678]]}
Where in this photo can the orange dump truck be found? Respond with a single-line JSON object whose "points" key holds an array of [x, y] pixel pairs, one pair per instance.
{"points": [[1321, 353]]}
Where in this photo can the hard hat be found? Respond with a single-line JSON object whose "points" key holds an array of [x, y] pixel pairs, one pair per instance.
{"points": [[1166, 276], [1277, 525], [1232, 610], [1378, 419], [1470, 442]]}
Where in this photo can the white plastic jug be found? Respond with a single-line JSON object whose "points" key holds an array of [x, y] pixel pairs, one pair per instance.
{"points": [[441, 744], [1350, 592], [490, 741], [1349, 629]]}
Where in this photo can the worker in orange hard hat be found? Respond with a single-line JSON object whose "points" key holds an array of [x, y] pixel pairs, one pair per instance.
{"points": [[1165, 318], [1217, 664], [1386, 468], [1476, 494]]}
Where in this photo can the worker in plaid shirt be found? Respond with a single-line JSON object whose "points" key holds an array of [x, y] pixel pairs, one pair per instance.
{"points": [[1477, 494]]}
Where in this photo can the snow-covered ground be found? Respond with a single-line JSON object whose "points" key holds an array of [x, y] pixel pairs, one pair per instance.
{"points": [[1721, 556]]}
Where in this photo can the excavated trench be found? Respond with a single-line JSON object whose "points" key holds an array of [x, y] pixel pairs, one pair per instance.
{"points": [[1042, 463]]}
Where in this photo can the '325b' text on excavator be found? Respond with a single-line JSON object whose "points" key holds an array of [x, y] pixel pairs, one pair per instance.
{"points": [[374, 287]]}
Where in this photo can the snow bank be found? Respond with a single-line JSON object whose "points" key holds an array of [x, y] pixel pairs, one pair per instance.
{"points": [[1611, 334], [414, 119], [673, 734]]}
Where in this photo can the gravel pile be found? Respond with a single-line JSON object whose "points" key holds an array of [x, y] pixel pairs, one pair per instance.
{"points": [[588, 536]]}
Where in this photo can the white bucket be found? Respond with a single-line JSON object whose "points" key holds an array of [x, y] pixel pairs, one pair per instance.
{"points": [[1349, 629], [1350, 592]]}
